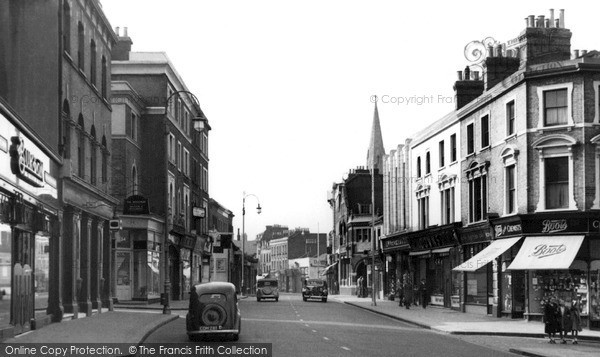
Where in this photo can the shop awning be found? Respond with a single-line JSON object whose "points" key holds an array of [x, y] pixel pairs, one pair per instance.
{"points": [[420, 252], [488, 254], [441, 251], [547, 252], [329, 269]]}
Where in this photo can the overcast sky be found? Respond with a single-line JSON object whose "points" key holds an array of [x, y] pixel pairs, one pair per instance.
{"points": [[287, 85]]}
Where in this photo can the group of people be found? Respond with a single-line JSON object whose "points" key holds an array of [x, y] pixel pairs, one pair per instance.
{"points": [[561, 319], [407, 293]]}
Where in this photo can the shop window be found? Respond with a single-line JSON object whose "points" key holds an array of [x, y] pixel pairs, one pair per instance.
{"points": [[5, 274], [477, 281]]}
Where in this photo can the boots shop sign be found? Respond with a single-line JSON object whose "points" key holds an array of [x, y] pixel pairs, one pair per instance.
{"points": [[24, 164]]}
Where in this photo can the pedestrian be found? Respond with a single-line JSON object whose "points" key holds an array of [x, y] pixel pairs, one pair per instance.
{"points": [[550, 318], [565, 321], [359, 291], [575, 321], [408, 290], [423, 291]]}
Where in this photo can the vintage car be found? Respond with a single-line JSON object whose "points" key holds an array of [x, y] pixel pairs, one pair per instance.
{"points": [[267, 289], [315, 289], [213, 311]]}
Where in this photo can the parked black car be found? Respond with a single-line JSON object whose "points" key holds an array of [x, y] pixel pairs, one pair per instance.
{"points": [[315, 289], [213, 311]]}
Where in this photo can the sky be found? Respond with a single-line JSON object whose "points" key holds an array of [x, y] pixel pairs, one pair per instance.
{"points": [[287, 86]]}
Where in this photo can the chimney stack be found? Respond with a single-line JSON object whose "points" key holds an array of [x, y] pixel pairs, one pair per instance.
{"points": [[465, 89], [122, 48]]}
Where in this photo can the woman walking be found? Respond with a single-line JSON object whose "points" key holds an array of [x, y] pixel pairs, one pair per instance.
{"points": [[565, 321], [575, 321]]}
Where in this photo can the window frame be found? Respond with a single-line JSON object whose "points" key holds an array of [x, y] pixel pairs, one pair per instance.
{"points": [[484, 126], [470, 138], [541, 105]]}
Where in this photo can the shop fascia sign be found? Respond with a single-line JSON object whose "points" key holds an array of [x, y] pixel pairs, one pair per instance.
{"points": [[24, 164]]}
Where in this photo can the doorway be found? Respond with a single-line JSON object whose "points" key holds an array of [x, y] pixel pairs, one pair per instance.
{"points": [[123, 273]]}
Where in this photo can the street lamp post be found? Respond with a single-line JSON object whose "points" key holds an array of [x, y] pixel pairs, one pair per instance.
{"points": [[258, 210], [200, 123]]}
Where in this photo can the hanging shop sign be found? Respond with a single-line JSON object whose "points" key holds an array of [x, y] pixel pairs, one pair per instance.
{"points": [[24, 164], [136, 204]]}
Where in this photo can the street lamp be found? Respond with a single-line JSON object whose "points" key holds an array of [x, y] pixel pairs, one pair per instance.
{"points": [[200, 123], [258, 210]]}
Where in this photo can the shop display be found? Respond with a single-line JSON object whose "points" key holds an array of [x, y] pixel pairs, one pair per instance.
{"points": [[569, 286], [594, 294]]}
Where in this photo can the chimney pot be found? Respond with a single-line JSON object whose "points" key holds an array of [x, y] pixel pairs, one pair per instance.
{"points": [[526, 22], [125, 31], [118, 30], [576, 53], [541, 21], [490, 51], [467, 73], [475, 75], [561, 18], [557, 23], [459, 73], [531, 21], [547, 23], [552, 17], [583, 52], [498, 51]]}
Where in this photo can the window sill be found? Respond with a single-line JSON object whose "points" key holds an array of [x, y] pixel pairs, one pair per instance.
{"points": [[510, 137], [556, 209], [569, 127], [442, 168], [470, 155], [453, 163], [485, 148]]}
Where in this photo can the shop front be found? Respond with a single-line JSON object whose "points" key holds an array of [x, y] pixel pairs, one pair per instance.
{"points": [[29, 231], [137, 257], [431, 258], [559, 257], [395, 249]]}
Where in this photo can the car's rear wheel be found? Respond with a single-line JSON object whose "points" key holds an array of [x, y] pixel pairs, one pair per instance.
{"points": [[276, 299], [257, 299], [304, 298], [324, 299], [235, 336]]}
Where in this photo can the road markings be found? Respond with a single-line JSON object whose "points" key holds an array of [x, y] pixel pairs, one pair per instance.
{"points": [[315, 331], [326, 338], [345, 348], [345, 324], [306, 325]]}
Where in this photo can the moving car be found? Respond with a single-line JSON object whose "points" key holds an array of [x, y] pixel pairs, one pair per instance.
{"points": [[267, 289], [213, 311], [315, 289]]}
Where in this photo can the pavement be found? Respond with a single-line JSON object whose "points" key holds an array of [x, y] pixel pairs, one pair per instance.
{"points": [[526, 338], [126, 326]]}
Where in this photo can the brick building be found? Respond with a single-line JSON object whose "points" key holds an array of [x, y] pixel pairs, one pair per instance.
{"points": [[529, 168], [57, 55], [220, 227], [161, 159]]}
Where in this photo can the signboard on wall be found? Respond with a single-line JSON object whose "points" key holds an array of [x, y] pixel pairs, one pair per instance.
{"points": [[136, 204]]}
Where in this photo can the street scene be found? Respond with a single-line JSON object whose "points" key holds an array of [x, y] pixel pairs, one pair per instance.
{"points": [[271, 178]]}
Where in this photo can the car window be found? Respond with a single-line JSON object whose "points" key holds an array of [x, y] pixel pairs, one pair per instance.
{"points": [[316, 282], [208, 298], [262, 284]]}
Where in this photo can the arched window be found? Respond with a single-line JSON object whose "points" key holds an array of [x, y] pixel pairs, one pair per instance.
{"points": [[81, 45], [134, 179], [104, 160], [81, 147], [66, 30], [104, 78], [93, 159], [93, 62], [66, 129]]}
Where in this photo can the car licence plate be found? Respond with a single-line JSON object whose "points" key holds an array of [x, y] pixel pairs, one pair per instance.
{"points": [[206, 328]]}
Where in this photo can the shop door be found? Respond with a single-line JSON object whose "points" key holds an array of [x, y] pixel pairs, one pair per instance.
{"points": [[518, 293], [123, 274], [447, 282], [22, 293]]}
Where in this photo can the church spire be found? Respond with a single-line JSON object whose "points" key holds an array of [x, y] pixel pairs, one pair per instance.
{"points": [[376, 150]]}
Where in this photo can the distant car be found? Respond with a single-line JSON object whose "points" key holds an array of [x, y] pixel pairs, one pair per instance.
{"points": [[315, 289], [213, 311], [267, 289]]}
